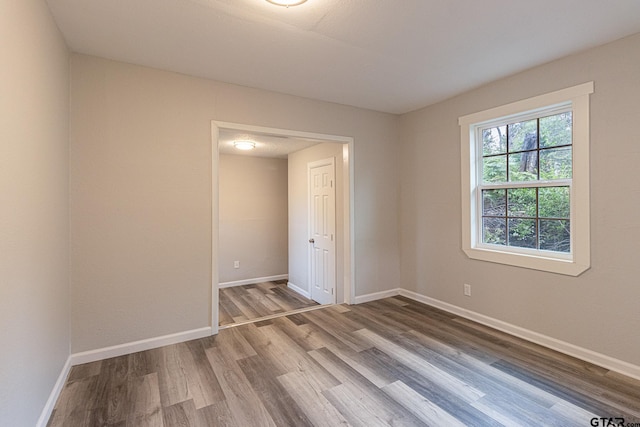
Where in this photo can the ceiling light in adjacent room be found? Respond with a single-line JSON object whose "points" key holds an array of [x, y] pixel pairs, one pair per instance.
{"points": [[244, 145], [286, 3]]}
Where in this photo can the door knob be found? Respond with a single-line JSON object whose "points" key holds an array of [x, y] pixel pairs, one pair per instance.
{"points": [[312, 240]]}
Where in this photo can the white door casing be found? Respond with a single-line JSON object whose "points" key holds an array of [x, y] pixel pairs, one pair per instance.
{"points": [[322, 227], [348, 189]]}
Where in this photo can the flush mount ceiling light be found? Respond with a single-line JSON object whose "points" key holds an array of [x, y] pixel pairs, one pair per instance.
{"points": [[244, 145], [286, 3]]}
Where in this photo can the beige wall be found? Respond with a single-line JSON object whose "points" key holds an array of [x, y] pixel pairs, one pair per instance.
{"points": [[34, 242], [598, 310], [140, 182], [299, 214], [253, 217]]}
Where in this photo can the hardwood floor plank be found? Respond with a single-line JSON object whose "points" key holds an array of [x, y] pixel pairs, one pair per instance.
{"points": [[218, 414], [339, 308], [154, 419], [356, 361], [547, 355], [589, 402], [287, 356], [234, 344], [304, 338], [431, 391], [180, 415], [203, 385], [224, 318], [242, 400], [241, 303], [383, 325], [422, 408], [578, 415], [275, 357], [108, 392], [226, 304], [346, 369], [441, 330], [358, 386], [173, 383], [298, 319], [367, 408], [342, 330], [290, 298], [86, 370], [140, 364], [72, 406], [237, 295], [424, 368], [525, 413], [283, 409], [308, 395], [259, 297], [144, 400], [478, 373]]}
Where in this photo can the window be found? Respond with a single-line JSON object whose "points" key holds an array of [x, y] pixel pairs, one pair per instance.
{"points": [[525, 182]]}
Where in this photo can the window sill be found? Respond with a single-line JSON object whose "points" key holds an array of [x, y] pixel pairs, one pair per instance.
{"points": [[534, 262]]}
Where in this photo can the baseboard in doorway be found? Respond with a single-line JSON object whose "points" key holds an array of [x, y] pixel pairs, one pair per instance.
{"points": [[252, 281], [360, 299], [299, 290]]}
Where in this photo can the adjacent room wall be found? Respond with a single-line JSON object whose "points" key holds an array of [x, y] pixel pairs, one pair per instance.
{"points": [[253, 217], [34, 216], [597, 310], [140, 189], [299, 214]]}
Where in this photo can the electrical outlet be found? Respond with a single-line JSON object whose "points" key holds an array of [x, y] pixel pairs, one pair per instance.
{"points": [[236, 264], [467, 290]]}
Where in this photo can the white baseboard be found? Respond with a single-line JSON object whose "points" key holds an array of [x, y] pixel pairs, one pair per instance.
{"points": [[299, 290], [581, 353], [136, 346], [377, 295], [252, 281], [55, 393]]}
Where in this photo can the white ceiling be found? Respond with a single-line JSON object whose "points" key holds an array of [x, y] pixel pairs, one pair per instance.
{"points": [[267, 145], [387, 55]]}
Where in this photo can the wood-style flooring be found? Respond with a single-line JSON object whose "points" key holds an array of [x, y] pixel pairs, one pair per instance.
{"points": [[388, 362], [242, 303]]}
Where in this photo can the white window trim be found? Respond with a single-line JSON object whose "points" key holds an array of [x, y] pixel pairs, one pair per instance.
{"points": [[580, 258]]}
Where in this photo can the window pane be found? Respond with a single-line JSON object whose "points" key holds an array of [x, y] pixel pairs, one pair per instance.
{"points": [[494, 169], [555, 235], [554, 202], [522, 233], [523, 136], [523, 166], [494, 202], [555, 163], [494, 231], [522, 202], [494, 140], [555, 130]]}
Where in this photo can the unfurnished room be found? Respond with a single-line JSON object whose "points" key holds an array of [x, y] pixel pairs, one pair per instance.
{"points": [[319, 213]]}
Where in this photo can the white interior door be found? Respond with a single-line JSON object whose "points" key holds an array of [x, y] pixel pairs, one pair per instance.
{"points": [[322, 226]]}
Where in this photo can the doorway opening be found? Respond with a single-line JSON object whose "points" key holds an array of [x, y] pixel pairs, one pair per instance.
{"points": [[299, 239]]}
